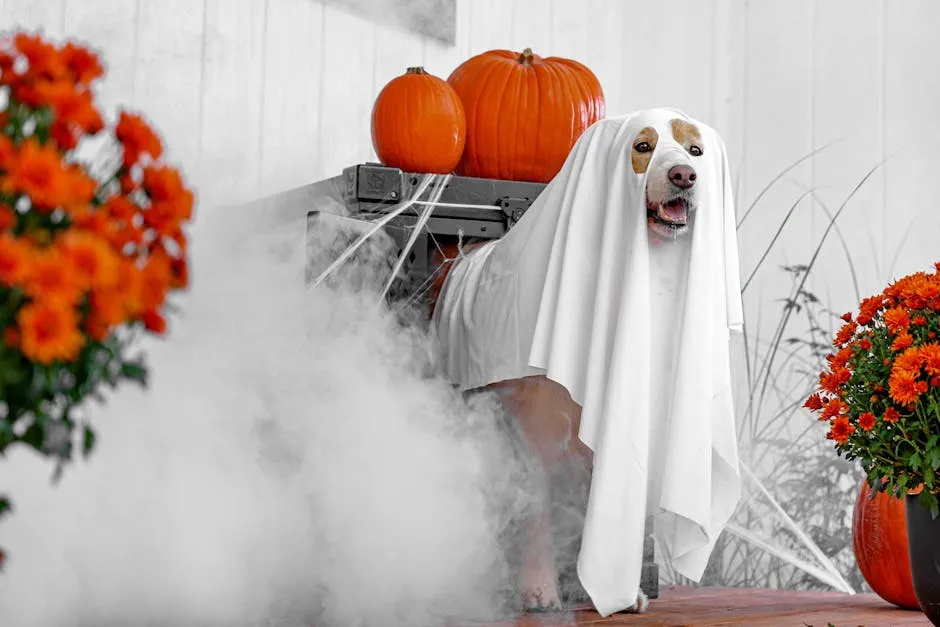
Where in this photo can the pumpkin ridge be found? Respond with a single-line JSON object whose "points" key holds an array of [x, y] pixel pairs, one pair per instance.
{"points": [[594, 98], [480, 103], [557, 87], [522, 130], [510, 91], [585, 95], [486, 109], [441, 102], [457, 79]]}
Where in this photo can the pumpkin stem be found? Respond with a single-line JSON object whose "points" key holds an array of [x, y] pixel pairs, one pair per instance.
{"points": [[526, 57], [415, 70]]}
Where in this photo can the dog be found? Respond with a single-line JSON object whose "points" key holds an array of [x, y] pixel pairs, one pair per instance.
{"points": [[543, 409], [547, 415]]}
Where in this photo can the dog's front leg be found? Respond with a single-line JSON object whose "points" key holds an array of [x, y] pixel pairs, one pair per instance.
{"points": [[549, 420], [539, 577]]}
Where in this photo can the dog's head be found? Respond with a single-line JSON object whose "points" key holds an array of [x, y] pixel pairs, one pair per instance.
{"points": [[668, 159]]}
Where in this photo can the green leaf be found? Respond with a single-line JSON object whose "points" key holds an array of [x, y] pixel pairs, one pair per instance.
{"points": [[929, 501], [135, 372], [89, 441], [933, 458], [34, 435], [7, 437], [6, 506]]}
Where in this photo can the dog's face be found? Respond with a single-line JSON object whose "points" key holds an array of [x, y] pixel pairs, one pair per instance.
{"points": [[671, 181]]}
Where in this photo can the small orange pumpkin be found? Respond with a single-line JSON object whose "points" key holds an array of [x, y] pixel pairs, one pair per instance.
{"points": [[524, 113], [418, 123], [879, 539]]}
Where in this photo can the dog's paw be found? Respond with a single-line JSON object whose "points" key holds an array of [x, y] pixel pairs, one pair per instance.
{"points": [[537, 601], [642, 604], [540, 591]]}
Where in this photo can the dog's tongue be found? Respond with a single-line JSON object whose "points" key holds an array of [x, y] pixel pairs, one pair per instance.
{"points": [[675, 210]]}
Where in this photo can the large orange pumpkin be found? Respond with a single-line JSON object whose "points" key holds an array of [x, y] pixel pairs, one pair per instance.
{"points": [[524, 113], [879, 539], [418, 123]]}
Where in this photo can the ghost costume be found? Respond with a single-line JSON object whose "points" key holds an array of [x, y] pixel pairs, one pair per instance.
{"points": [[637, 330]]}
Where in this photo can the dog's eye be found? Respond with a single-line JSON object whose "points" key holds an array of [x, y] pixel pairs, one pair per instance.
{"points": [[642, 147], [695, 151]]}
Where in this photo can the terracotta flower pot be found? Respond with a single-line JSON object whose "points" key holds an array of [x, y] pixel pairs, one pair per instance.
{"points": [[923, 534]]}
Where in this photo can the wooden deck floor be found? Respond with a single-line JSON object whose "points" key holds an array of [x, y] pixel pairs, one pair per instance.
{"points": [[700, 607]]}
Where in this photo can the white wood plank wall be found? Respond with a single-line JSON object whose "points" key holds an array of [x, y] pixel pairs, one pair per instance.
{"points": [[254, 96]]}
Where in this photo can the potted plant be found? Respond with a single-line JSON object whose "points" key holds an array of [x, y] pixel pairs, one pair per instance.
{"points": [[880, 396], [90, 249]]}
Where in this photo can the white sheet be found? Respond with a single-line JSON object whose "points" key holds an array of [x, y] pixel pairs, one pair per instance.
{"points": [[638, 333]]}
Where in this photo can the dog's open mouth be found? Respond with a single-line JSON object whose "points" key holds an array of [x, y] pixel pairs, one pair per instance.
{"points": [[674, 213], [670, 218]]}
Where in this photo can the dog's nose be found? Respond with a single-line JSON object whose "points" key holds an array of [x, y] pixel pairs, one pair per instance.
{"points": [[682, 176]]}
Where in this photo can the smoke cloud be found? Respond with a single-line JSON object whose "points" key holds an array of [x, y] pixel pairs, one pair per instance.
{"points": [[295, 461]]}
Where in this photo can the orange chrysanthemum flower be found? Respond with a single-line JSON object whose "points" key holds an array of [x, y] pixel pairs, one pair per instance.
{"points": [[866, 421], [49, 332], [37, 171], [138, 138], [106, 310], [897, 320], [52, 277], [7, 218], [841, 430], [903, 388], [891, 415], [869, 308], [931, 289], [72, 107], [909, 362], [81, 189], [93, 221], [179, 271], [95, 263], [44, 60], [15, 259], [845, 334], [833, 381], [840, 358], [864, 344], [155, 281], [154, 321], [130, 287], [813, 403], [832, 409], [930, 356], [171, 202], [7, 152], [902, 341], [84, 65], [120, 208]]}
